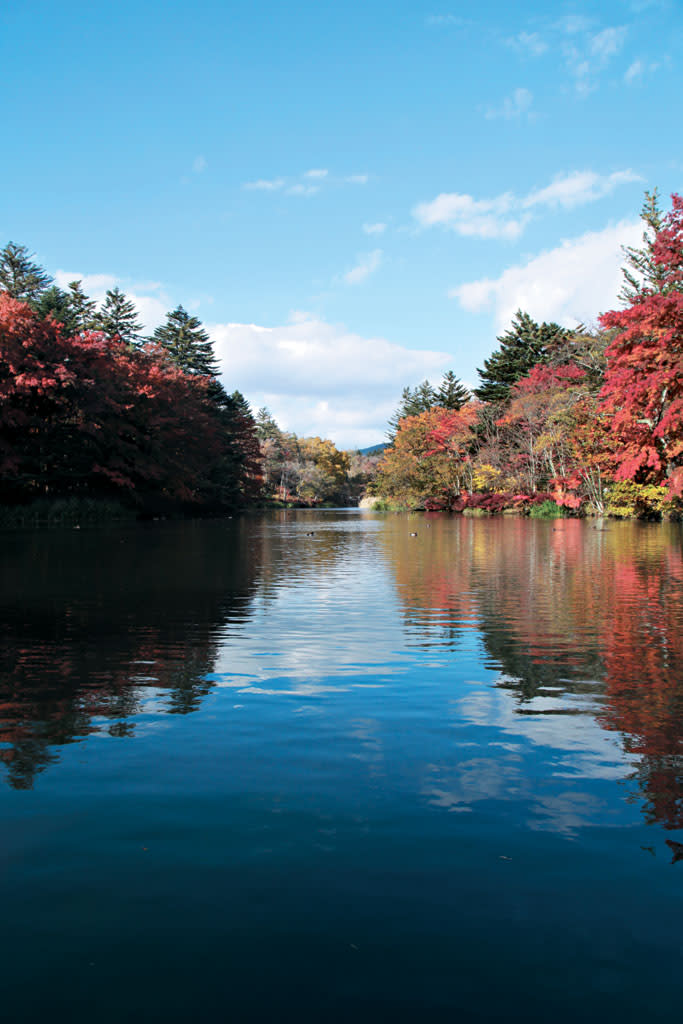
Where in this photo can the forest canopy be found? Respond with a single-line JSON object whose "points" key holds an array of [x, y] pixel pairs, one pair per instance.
{"points": [[562, 420]]}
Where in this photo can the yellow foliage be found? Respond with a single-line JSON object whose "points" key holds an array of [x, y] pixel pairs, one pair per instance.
{"points": [[326, 456], [627, 499], [486, 478]]}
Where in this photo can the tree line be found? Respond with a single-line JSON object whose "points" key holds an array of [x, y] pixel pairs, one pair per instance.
{"points": [[582, 420], [91, 408], [310, 470]]}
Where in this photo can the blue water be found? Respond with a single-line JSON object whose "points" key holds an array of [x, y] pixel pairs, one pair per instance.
{"points": [[306, 766]]}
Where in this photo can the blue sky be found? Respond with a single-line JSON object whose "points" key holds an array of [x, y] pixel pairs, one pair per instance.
{"points": [[351, 196]]}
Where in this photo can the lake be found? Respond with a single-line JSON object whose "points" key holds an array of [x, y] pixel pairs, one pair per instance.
{"points": [[305, 765]]}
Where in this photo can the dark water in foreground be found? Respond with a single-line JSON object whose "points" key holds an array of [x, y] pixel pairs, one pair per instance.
{"points": [[252, 774]]}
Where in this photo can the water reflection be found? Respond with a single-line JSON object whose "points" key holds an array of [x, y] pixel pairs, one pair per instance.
{"points": [[97, 624], [579, 620], [581, 629], [397, 777]]}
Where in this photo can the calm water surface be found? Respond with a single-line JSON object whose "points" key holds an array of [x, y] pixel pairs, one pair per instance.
{"points": [[309, 767]]}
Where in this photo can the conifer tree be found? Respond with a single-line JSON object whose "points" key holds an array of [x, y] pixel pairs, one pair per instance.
{"points": [[452, 393], [523, 345], [266, 427], [187, 343], [83, 309], [641, 273], [424, 398], [20, 277], [413, 402], [72, 309], [56, 303], [118, 318], [241, 405]]}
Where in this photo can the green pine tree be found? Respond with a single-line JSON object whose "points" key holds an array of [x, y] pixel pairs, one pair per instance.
{"points": [[56, 303], [452, 393], [413, 402], [266, 427], [83, 309], [187, 343], [523, 345], [241, 405], [20, 277], [424, 398], [641, 273], [118, 318], [72, 309]]}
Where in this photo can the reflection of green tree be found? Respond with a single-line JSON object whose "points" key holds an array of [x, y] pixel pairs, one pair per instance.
{"points": [[94, 623]]}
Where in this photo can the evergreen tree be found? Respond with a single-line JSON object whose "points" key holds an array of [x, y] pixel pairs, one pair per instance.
{"points": [[401, 413], [523, 345], [187, 344], [83, 309], [72, 309], [119, 318], [413, 402], [452, 394], [241, 472], [266, 427], [20, 277], [424, 398], [241, 405], [641, 273], [56, 303]]}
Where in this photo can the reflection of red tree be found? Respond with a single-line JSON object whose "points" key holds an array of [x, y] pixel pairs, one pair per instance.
{"points": [[595, 611], [644, 678], [93, 625], [434, 580], [56, 689]]}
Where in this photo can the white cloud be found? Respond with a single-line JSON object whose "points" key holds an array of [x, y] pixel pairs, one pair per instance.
{"points": [[529, 42], [447, 19], [505, 216], [374, 229], [151, 308], [607, 43], [199, 164], [579, 187], [302, 190], [588, 56], [572, 24], [319, 378], [634, 71], [265, 185], [94, 285], [638, 68], [570, 284], [304, 186], [513, 106], [480, 218], [367, 264]]}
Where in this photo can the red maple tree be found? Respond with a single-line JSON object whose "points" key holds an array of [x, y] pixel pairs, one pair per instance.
{"points": [[643, 389]]}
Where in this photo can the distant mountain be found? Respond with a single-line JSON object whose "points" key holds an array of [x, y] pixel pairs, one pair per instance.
{"points": [[374, 449]]}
